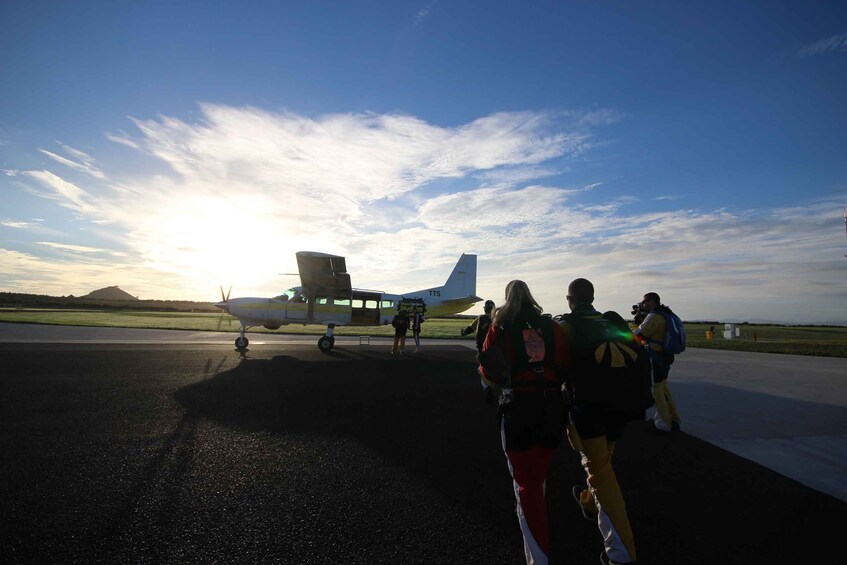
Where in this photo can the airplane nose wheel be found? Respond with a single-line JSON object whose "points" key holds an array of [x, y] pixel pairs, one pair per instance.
{"points": [[241, 342], [326, 342]]}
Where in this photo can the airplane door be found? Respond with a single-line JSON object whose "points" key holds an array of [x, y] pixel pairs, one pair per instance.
{"points": [[296, 310], [365, 309]]}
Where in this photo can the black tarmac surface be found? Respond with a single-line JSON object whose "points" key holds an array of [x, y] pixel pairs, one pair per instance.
{"points": [[193, 454]]}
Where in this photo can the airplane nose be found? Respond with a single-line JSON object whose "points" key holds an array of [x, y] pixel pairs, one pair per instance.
{"points": [[223, 306]]}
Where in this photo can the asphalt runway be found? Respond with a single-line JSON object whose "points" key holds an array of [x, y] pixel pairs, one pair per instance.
{"points": [[172, 452]]}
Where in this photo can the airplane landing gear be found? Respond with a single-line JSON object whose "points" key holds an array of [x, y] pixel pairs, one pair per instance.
{"points": [[325, 343], [241, 341]]}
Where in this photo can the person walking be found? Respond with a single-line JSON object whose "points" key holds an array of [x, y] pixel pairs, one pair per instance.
{"points": [[593, 428], [480, 324], [401, 325], [666, 416], [533, 354]]}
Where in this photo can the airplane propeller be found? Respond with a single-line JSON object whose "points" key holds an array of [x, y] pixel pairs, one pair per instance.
{"points": [[224, 306]]}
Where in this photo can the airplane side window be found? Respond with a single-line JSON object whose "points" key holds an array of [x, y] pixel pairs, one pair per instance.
{"points": [[370, 304], [386, 304], [341, 301], [358, 303]]}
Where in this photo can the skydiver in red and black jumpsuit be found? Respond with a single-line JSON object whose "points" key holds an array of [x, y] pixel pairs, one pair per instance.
{"points": [[532, 423]]}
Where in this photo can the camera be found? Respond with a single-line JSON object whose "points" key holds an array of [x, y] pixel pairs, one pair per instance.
{"points": [[507, 396], [639, 312]]}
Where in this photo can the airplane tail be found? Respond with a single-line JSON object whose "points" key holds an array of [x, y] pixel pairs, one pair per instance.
{"points": [[456, 295], [462, 281]]}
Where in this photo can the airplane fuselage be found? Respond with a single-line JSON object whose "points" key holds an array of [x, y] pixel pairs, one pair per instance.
{"points": [[362, 309], [327, 298]]}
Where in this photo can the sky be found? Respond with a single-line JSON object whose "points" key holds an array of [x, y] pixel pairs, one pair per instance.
{"points": [[694, 149]]}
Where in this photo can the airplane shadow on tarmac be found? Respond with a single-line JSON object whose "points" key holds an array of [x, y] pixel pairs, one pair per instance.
{"points": [[425, 416], [689, 501]]}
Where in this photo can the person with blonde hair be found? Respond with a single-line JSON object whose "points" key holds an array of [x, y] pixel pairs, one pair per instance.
{"points": [[533, 356]]}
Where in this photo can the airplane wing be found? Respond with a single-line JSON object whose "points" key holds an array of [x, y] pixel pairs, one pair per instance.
{"points": [[463, 300], [322, 273]]}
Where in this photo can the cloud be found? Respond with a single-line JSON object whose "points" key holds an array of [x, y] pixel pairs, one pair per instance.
{"points": [[68, 194], [122, 139], [29, 273], [86, 166], [241, 189], [833, 43], [240, 178], [421, 15], [16, 225], [79, 248]]}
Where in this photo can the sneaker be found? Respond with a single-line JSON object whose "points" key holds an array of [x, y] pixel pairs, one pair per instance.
{"points": [[401, 352], [608, 561], [654, 431], [417, 349], [586, 513]]}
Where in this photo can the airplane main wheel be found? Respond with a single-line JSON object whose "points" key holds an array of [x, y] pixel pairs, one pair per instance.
{"points": [[326, 342], [241, 342]]}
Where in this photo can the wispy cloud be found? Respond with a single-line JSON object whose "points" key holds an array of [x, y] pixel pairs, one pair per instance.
{"points": [[86, 166], [16, 225], [79, 248], [421, 15], [122, 139], [833, 43], [67, 193], [243, 189], [26, 272]]}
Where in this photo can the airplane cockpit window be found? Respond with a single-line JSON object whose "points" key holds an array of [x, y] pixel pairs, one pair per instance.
{"points": [[291, 295]]}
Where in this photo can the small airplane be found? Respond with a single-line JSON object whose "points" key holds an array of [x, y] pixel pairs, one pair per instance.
{"points": [[326, 297]]}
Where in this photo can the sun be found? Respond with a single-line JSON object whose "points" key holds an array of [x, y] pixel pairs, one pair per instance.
{"points": [[207, 241]]}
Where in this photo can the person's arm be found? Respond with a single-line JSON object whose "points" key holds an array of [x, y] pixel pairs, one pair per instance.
{"points": [[472, 327], [562, 356], [652, 329], [490, 340]]}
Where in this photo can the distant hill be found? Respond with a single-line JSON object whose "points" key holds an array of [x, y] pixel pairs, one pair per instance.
{"points": [[109, 293], [126, 302]]}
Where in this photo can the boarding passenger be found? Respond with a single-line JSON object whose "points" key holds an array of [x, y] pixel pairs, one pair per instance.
{"points": [[415, 322], [533, 354], [597, 415], [653, 329], [401, 325], [480, 324]]}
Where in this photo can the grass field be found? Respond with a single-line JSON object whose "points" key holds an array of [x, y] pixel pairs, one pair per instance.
{"points": [[797, 340]]}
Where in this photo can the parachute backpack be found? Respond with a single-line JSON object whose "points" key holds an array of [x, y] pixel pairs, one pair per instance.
{"points": [[674, 341], [609, 369]]}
